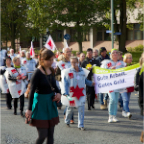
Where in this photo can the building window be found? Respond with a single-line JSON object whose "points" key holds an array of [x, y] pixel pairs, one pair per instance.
{"points": [[130, 35], [57, 35], [99, 35], [73, 35], [86, 36], [137, 32], [107, 36]]}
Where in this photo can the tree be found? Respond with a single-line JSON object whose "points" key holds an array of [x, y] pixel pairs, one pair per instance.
{"points": [[13, 20], [124, 7], [59, 14]]}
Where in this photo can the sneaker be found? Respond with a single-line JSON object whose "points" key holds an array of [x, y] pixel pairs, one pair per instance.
{"points": [[68, 125], [110, 119], [103, 107], [129, 115], [82, 129], [115, 119], [71, 122], [124, 114]]}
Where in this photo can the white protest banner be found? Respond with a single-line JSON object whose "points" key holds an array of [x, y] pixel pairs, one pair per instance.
{"points": [[107, 80]]}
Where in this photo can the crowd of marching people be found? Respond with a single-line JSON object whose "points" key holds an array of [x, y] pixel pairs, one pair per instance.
{"points": [[51, 81]]}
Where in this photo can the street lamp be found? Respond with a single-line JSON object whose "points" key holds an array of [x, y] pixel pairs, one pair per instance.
{"points": [[112, 26]]}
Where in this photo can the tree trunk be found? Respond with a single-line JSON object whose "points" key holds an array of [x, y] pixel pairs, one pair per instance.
{"points": [[80, 40], [6, 42], [123, 19], [79, 36], [13, 37], [13, 43], [116, 27]]}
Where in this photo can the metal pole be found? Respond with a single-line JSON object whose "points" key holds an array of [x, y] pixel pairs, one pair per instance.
{"points": [[112, 26]]}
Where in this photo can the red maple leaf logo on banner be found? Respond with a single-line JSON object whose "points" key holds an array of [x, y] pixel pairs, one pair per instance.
{"points": [[50, 44], [13, 71], [70, 75], [19, 92], [109, 64], [77, 92], [25, 62], [63, 65], [72, 103]]}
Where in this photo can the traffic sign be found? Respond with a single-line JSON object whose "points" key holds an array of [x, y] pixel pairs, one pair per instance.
{"points": [[117, 33], [67, 36], [108, 31]]}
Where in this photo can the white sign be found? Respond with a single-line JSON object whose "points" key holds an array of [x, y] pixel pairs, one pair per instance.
{"points": [[109, 80]]}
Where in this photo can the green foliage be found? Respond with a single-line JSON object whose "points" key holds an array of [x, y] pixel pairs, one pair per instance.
{"points": [[138, 48], [60, 14], [13, 19], [136, 56], [130, 26]]}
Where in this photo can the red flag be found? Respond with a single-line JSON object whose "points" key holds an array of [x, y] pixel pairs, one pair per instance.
{"points": [[50, 44], [32, 53]]}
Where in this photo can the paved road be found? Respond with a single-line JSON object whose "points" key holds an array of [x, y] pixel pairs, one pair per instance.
{"points": [[98, 131]]}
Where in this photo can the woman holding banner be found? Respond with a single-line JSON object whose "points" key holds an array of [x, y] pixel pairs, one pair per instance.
{"points": [[126, 95], [114, 63]]}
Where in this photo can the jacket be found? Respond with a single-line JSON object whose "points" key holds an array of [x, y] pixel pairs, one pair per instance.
{"points": [[3, 83], [58, 69], [100, 58], [141, 88], [93, 62], [74, 85], [30, 65], [136, 80], [16, 87]]}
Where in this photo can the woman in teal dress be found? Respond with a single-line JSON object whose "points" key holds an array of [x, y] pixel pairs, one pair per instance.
{"points": [[42, 109]]}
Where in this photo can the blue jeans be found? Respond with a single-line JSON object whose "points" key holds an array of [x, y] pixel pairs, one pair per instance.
{"points": [[120, 101], [69, 112], [72, 117], [113, 96], [101, 97], [126, 99]]}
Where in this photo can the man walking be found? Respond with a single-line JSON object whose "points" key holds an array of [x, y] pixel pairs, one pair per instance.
{"points": [[88, 64], [103, 99]]}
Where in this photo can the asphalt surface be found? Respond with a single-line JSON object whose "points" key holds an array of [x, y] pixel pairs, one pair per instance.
{"points": [[98, 130]]}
